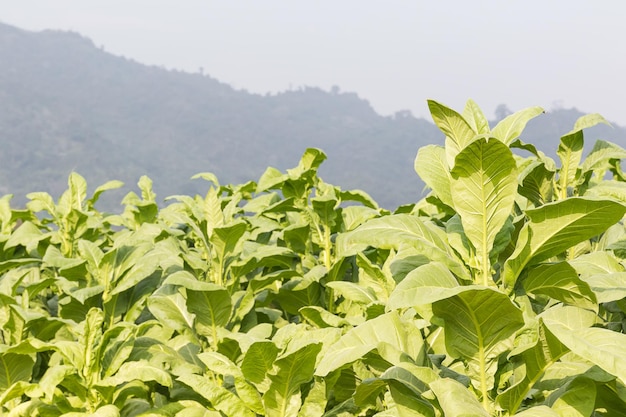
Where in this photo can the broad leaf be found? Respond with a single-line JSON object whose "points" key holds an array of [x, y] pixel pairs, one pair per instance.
{"points": [[456, 400], [364, 338], [484, 187], [479, 326], [603, 347], [555, 227], [561, 282], [282, 398], [511, 127], [433, 169]]}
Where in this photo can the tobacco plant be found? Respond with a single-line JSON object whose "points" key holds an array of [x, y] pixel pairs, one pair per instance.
{"points": [[500, 293]]}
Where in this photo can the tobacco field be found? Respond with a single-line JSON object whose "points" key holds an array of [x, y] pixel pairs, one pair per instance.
{"points": [[502, 292]]}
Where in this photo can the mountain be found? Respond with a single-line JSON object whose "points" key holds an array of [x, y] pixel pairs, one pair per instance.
{"points": [[67, 105]]}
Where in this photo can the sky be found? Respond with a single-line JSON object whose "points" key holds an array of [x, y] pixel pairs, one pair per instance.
{"points": [[394, 53]]}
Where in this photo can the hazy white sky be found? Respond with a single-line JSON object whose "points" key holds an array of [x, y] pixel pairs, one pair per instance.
{"points": [[394, 53]]}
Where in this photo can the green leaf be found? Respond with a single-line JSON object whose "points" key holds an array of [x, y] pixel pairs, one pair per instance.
{"points": [[533, 362], [433, 169], [219, 397], [456, 400], [599, 159], [555, 227], [603, 347], [366, 337], [283, 397], [484, 187], [423, 285], [258, 359], [475, 118], [608, 287], [400, 231], [536, 182], [511, 127], [168, 306], [212, 309], [479, 326], [458, 132], [576, 399], [570, 152], [561, 282], [589, 120], [13, 368]]}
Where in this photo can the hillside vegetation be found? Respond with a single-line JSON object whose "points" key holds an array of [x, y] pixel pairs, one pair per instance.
{"points": [[67, 105]]}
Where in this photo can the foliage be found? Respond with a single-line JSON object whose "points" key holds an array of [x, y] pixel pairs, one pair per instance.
{"points": [[501, 293]]}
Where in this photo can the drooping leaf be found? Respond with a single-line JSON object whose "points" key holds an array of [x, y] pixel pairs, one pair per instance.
{"points": [[576, 399]]}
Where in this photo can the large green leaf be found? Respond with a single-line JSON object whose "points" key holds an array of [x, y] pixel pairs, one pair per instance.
{"points": [[220, 398], [561, 282], [360, 340], [484, 187], [398, 231], [575, 399], [511, 127], [532, 363], [570, 152], [168, 306], [258, 359], [283, 397], [600, 157], [479, 326], [603, 347], [433, 169], [475, 118], [456, 400], [556, 227], [452, 124], [13, 368], [423, 285]]}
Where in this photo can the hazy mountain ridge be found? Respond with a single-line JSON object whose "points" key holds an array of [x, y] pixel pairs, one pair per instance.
{"points": [[66, 104]]}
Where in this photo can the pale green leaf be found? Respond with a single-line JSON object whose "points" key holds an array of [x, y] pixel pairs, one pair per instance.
{"points": [[258, 359], [364, 338], [576, 399], [475, 118], [603, 347], [484, 187], [433, 169], [283, 397], [219, 397], [451, 123], [456, 400], [511, 127], [480, 324], [555, 227], [561, 282]]}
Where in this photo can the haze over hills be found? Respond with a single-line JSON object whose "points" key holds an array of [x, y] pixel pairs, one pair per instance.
{"points": [[66, 105]]}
